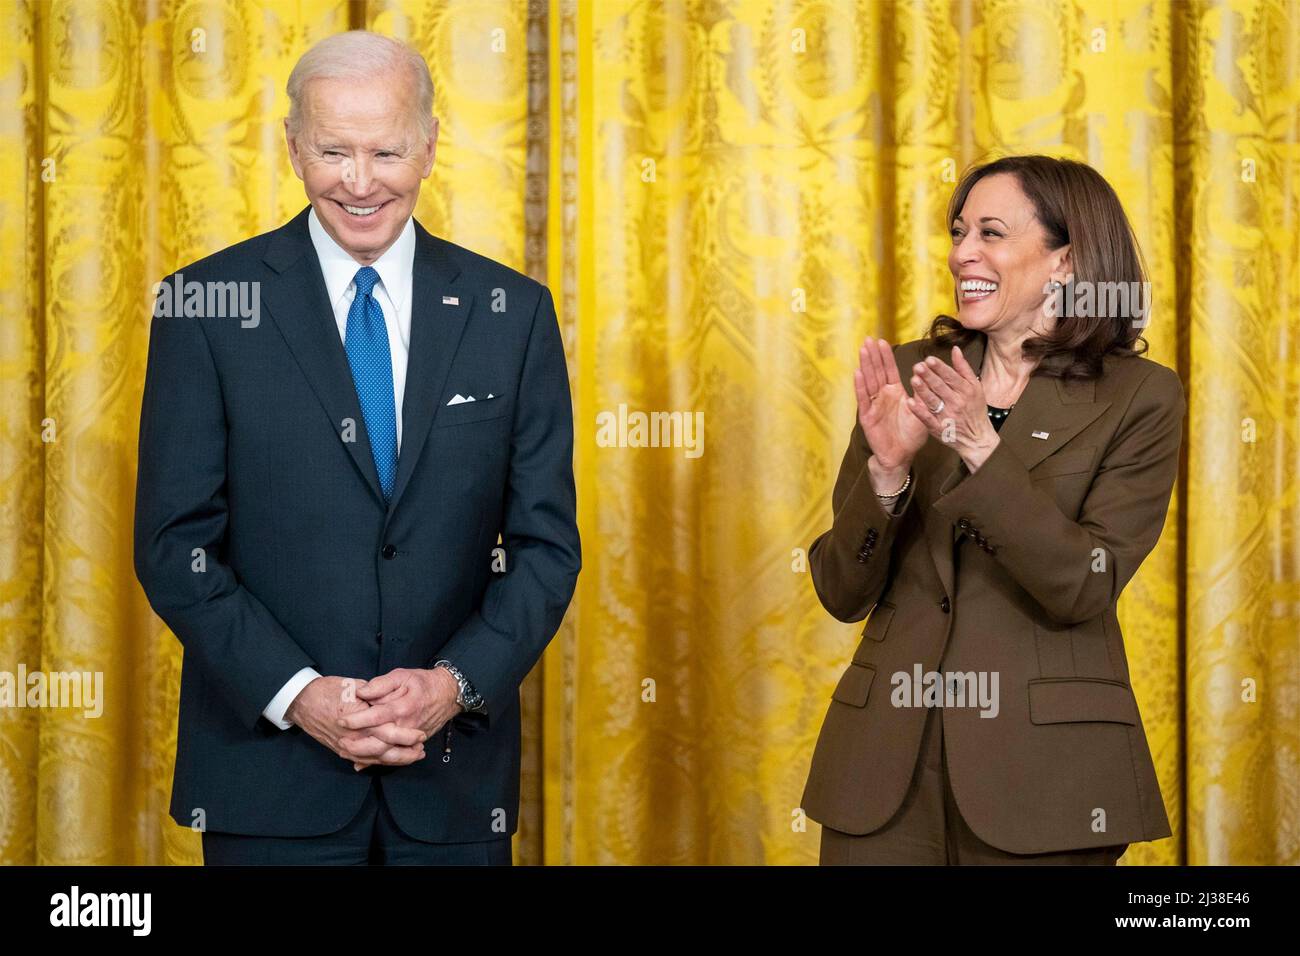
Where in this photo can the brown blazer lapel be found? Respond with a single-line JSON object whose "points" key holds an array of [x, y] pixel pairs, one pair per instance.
{"points": [[1047, 407]]}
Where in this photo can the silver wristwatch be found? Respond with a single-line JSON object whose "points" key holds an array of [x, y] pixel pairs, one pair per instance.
{"points": [[466, 696]]}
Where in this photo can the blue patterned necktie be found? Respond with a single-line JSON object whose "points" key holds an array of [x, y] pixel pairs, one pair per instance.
{"points": [[366, 342]]}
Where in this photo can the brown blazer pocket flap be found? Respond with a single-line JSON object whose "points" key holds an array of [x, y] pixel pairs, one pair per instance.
{"points": [[1064, 463], [1069, 700], [878, 621], [855, 685]]}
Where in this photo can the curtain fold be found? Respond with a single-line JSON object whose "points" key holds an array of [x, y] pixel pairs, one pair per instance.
{"points": [[725, 198]]}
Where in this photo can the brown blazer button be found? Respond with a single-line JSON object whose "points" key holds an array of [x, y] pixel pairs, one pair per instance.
{"points": [[944, 605]]}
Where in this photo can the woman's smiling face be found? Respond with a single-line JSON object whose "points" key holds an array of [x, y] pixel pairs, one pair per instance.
{"points": [[999, 259]]}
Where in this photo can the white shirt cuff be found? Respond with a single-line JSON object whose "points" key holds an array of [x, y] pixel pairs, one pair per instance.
{"points": [[274, 711]]}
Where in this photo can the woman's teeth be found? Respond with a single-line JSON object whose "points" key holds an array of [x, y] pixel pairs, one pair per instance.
{"points": [[361, 210], [972, 289]]}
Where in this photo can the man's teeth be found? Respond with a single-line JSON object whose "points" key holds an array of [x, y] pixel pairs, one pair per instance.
{"points": [[977, 288], [361, 210]]}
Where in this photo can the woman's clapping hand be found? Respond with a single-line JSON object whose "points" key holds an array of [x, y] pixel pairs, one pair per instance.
{"points": [[949, 403], [893, 432]]}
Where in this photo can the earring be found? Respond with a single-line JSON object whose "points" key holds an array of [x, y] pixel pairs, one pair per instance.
{"points": [[1055, 285]]}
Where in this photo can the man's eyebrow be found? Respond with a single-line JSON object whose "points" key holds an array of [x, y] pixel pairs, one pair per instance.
{"points": [[395, 148]]}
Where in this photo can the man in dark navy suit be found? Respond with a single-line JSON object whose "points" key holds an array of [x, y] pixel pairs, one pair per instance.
{"points": [[322, 485]]}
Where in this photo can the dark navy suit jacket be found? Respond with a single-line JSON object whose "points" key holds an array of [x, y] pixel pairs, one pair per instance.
{"points": [[263, 540]]}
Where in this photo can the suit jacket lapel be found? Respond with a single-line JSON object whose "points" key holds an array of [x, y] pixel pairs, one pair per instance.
{"points": [[1047, 406], [436, 328], [1048, 415], [300, 308]]}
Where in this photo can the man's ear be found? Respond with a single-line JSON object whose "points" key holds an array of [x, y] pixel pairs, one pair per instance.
{"points": [[292, 143], [431, 145]]}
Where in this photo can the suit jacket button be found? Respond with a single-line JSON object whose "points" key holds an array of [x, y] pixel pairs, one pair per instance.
{"points": [[389, 552], [379, 637], [944, 605]]}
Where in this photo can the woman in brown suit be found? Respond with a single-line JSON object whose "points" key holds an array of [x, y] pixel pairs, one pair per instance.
{"points": [[1006, 476]]}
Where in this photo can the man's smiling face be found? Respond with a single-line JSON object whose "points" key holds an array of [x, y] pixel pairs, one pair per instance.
{"points": [[361, 159]]}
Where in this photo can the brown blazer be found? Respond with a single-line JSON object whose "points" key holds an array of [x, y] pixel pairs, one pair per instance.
{"points": [[1014, 570]]}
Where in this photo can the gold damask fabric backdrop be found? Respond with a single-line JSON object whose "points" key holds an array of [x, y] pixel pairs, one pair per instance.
{"points": [[725, 196]]}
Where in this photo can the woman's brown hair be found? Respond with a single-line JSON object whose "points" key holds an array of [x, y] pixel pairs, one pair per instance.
{"points": [[1075, 205]]}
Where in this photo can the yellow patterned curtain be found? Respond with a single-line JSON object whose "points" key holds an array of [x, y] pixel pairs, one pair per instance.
{"points": [[725, 196]]}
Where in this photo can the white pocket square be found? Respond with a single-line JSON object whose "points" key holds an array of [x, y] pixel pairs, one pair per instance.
{"points": [[459, 399]]}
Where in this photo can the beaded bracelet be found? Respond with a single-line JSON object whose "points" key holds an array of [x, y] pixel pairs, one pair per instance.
{"points": [[906, 484]]}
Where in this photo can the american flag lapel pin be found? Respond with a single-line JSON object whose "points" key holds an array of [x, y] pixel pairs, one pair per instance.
{"points": [[451, 300], [1042, 435]]}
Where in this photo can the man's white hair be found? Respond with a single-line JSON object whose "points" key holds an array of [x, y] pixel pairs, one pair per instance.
{"points": [[360, 54]]}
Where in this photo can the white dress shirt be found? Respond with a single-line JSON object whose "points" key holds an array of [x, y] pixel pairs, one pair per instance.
{"points": [[393, 293]]}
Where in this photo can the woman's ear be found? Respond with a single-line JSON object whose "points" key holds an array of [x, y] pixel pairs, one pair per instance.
{"points": [[1063, 269]]}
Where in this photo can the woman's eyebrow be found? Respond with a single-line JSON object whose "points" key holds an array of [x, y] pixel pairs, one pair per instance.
{"points": [[982, 219]]}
